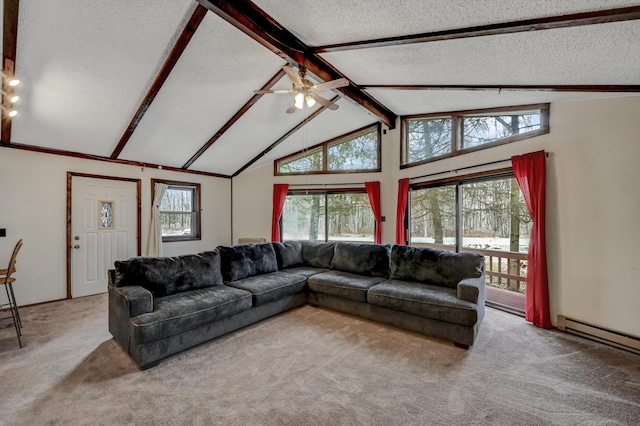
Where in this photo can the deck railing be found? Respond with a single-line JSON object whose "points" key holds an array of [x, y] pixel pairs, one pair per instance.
{"points": [[503, 269]]}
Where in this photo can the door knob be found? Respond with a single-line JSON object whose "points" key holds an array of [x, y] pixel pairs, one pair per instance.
{"points": [[76, 246], [76, 238]]}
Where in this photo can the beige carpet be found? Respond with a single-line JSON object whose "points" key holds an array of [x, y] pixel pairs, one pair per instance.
{"points": [[312, 366]]}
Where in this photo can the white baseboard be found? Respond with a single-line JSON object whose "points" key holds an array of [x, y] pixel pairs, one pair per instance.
{"points": [[600, 334]]}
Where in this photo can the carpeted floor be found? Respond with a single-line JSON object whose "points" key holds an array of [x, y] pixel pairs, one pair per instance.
{"points": [[311, 366]]}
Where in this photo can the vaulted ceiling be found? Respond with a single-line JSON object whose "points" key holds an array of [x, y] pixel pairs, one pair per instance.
{"points": [[171, 82]]}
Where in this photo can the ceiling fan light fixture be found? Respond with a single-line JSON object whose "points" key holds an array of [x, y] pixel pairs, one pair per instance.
{"points": [[310, 101], [299, 100]]}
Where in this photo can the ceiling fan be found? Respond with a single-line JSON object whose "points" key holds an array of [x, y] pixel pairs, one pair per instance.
{"points": [[305, 91]]}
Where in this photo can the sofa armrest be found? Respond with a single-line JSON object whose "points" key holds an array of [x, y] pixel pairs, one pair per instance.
{"points": [[472, 290], [133, 300], [124, 304]]}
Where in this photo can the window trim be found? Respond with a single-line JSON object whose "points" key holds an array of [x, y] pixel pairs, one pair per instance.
{"points": [[325, 150], [196, 208], [325, 192], [456, 127]]}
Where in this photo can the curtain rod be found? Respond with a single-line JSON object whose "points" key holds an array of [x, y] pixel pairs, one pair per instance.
{"points": [[326, 184], [546, 154]]}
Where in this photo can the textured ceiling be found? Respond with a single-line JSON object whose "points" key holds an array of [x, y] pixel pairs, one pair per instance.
{"points": [[86, 66], [595, 54], [208, 85], [319, 23]]}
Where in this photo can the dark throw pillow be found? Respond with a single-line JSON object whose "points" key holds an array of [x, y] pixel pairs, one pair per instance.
{"points": [[163, 276], [288, 253], [430, 266], [362, 259], [247, 260], [318, 255]]}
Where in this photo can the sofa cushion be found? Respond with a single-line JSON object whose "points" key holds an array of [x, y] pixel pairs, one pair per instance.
{"points": [[362, 259], [288, 253], [164, 276], [425, 300], [343, 284], [247, 260], [436, 267], [306, 271], [270, 287], [318, 255], [183, 311]]}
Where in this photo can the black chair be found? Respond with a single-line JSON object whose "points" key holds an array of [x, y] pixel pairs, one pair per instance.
{"points": [[7, 280]]}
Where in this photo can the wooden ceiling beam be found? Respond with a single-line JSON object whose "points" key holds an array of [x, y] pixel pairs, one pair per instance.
{"points": [[283, 137], [549, 23], [9, 42], [253, 21], [594, 88], [268, 85], [74, 154], [179, 47]]}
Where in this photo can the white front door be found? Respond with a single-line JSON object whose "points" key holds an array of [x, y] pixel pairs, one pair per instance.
{"points": [[104, 226]]}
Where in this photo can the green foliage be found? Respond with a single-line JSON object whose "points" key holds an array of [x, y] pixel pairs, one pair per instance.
{"points": [[308, 162], [359, 153], [481, 130], [427, 138], [348, 214], [489, 209], [355, 152]]}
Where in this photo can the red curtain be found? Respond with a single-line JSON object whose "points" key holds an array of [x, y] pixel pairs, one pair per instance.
{"points": [[530, 171], [403, 194], [279, 195], [373, 191]]}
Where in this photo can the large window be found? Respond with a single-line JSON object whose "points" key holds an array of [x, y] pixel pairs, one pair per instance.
{"points": [[180, 212], [432, 137], [355, 152], [328, 216], [486, 215]]}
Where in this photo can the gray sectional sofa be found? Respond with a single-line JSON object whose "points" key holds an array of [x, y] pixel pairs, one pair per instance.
{"points": [[163, 305]]}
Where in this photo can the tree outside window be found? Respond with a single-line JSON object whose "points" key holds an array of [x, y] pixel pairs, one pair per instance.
{"points": [[180, 211]]}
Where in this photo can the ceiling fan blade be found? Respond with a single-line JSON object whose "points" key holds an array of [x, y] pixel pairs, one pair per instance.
{"points": [[333, 84], [276, 91], [292, 108], [293, 75], [324, 102]]}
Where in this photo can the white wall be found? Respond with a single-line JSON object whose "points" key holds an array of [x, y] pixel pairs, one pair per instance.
{"points": [[592, 196], [33, 189]]}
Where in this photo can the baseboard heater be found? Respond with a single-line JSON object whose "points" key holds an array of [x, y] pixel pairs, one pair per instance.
{"points": [[600, 334]]}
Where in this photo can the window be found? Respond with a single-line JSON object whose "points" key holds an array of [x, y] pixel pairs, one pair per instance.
{"points": [[355, 152], [307, 162], [180, 211], [493, 221], [431, 137], [328, 216]]}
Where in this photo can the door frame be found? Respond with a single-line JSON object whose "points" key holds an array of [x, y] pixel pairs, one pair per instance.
{"points": [[70, 175]]}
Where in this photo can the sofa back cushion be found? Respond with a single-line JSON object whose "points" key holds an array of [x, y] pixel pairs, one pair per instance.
{"points": [[436, 267], [362, 259], [247, 260], [318, 255], [163, 276], [288, 253]]}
